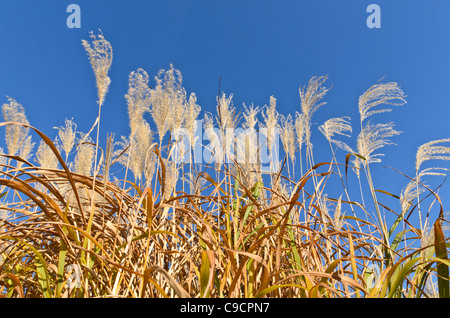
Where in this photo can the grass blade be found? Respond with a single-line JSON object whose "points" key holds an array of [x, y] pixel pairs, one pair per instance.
{"points": [[442, 268]]}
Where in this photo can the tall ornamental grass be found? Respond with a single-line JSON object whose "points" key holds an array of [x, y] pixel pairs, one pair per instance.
{"points": [[128, 218]]}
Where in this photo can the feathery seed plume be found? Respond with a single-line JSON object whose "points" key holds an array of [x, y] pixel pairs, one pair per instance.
{"points": [[168, 101], [100, 55], [45, 156], [215, 142], [25, 150], [337, 126], [138, 97], [373, 137], [227, 117], [250, 116], [287, 134], [409, 193], [85, 157], [109, 152], [3, 160], [15, 135], [389, 93], [270, 122], [192, 112], [67, 136], [432, 151], [310, 97], [300, 129]]}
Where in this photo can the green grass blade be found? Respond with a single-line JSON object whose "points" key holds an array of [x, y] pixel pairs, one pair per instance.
{"points": [[442, 268], [399, 275], [61, 267]]}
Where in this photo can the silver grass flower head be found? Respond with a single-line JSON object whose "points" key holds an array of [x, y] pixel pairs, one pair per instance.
{"points": [[150, 166], [168, 101], [196, 184], [432, 150], [85, 157], [336, 126], [138, 98], [409, 193], [247, 149], [300, 129], [227, 117], [67, 136], [356, 162], [3, 160], [372, 138], [192, 112], [138, 145], [109, 152], [15, 135], [378, 94], [287, 135], [337, 220], [45, 156], [310, 97], [5, 215], [283, 188], [250, 116], [338, 217], [25, 150], [324, 206], [171, 178], [215, 146], [178, 99], [427, 240], [270, 122], [100, 55]]}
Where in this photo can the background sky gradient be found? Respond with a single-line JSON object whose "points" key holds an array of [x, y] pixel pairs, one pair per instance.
{"points": [[259, 48]]}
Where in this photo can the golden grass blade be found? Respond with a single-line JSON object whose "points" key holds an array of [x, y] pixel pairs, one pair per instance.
{"points": [[16, 283], [179, 291], [352, 258], [267, 290], [206, 273], [146, 279]]}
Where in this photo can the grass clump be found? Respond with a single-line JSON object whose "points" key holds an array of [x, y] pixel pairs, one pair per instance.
{"points": [[133, 220]]}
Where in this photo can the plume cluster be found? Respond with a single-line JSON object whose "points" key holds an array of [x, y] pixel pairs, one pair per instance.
{"points": [[379, 94], [168, 101]]}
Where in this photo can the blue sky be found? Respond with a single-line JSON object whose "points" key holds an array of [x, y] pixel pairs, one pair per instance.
{"points": [[259, 48]]}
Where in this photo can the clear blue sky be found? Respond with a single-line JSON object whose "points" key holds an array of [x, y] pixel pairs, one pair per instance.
{"points": [[259, 48]]}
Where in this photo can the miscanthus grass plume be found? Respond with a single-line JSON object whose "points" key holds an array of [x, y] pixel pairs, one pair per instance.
{"points": [[380, 94], [67, 136], [130, 219], [16, 136], [168, 101], [271, 118], [100, 55]]}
